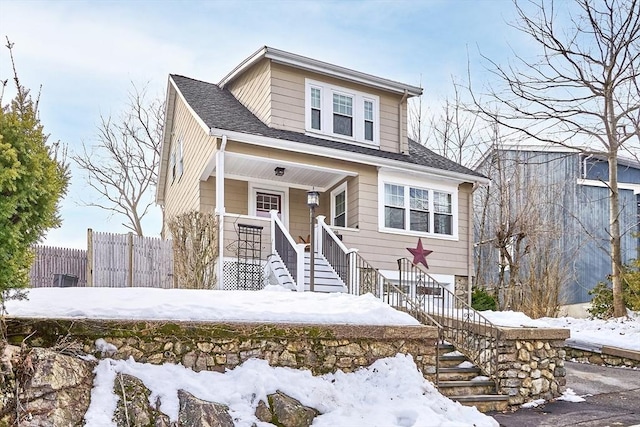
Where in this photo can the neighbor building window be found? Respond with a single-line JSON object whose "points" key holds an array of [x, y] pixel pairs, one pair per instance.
{"points": [[348, 114], [419, 210], [339, 206]]}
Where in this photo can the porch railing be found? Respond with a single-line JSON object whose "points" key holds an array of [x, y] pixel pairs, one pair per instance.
{"points": [[468, 330], [330, 246], [291, 253]]}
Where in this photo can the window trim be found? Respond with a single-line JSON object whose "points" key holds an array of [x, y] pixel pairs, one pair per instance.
{"points": [[431, 186], [283, 192], [326, 113], [339, 189]]}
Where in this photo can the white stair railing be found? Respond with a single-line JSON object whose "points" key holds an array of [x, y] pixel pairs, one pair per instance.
{"points": [[290, 252]]}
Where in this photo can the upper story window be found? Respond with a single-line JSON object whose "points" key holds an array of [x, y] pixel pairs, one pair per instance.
{"points": [[411, 207], [342, 113]]}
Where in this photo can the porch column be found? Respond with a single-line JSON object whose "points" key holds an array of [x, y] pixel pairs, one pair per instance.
{"points": [[220, 209]]}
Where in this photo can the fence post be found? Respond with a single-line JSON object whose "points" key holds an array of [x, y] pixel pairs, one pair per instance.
{"points": [[89, 257], [130, 254]]}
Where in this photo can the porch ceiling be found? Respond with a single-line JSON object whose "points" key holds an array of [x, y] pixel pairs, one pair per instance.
{"points": [[296, 175]]}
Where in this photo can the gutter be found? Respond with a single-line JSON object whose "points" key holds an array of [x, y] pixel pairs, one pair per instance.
{"points": [[298, 147], [220, 208], [320, 67], [404, 147], [470, 244]]}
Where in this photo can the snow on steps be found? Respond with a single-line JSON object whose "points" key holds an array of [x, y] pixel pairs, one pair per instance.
{"points": [[461, 381], [326, 279]]}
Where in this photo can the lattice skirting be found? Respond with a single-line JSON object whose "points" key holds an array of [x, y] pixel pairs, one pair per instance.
{"points": [[242, 276]]}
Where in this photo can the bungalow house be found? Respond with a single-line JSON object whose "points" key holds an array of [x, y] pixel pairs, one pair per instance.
{"points": [[557, 199], [278, 126]]}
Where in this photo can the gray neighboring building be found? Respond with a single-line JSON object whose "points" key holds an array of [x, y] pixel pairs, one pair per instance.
{"points": [[574, 188]]}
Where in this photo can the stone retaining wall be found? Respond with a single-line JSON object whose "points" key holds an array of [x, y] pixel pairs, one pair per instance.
{"points": [[608, 356], [216, 347], [531, 363]]}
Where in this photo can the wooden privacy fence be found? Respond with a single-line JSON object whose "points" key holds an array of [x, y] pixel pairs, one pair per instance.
{"points": [[51, 263], [111, 260], [123, 260]]}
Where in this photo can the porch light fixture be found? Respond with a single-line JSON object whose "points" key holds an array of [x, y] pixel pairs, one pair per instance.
{"points": [[313, 201], [279, 171]]}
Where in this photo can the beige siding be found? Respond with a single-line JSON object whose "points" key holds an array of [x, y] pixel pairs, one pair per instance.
{"points": [[183, 193], [231, 235], [383, 249], [287, 103], [253, 90]]}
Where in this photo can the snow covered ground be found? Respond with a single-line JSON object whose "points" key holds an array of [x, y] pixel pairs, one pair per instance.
{"points": [[389, 393], [204, 305], [621, 332]]}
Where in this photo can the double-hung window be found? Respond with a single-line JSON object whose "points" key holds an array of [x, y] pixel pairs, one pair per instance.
{"points": [[394, 206], [316, 105], [443, 213], [368, 120], [339, 206], [176, 161], [342, 113], [419, 210]]}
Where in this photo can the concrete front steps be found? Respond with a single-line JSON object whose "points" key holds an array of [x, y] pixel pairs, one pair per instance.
{"points": [[463, 382]]}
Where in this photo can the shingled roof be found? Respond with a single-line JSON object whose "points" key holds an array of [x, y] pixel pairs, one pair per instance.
{"points": [[219, 109]]}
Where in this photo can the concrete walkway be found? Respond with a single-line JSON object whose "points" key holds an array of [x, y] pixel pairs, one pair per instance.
{"points": [[614, 401]]}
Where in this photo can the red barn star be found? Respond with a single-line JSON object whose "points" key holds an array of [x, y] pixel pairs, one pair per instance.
{"points": [[420, 254]]}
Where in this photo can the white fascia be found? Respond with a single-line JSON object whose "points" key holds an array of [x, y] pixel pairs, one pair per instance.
{"points": [[320, 67], [296, 147]]}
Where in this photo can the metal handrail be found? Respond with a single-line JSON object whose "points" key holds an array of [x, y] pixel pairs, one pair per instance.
{"points": [[291, 254], [471, 333], [364, 278], [332, 248]]}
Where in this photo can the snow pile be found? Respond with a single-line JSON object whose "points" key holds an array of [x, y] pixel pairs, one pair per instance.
{"points": [[533, 404], [389, 393], [207, 305], [570, 396], [513, 319], [621, 332]]}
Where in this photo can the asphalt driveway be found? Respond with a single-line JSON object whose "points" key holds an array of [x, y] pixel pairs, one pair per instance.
{"points": [[614, 401]]}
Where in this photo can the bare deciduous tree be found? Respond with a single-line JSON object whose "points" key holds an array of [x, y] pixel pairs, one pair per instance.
{"points": [[519, 229], [195, 249], [123, 166], [453, 130], [581, 90]]}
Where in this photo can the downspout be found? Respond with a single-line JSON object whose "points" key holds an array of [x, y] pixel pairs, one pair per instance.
{"points": [[404, 149], [470, 255], [220, 208]]}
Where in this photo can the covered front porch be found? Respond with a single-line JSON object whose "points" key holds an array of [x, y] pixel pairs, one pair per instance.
{"points": [[264, 218]]}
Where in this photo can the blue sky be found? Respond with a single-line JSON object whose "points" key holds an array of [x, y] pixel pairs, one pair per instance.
{"points": [[85, 54]]}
